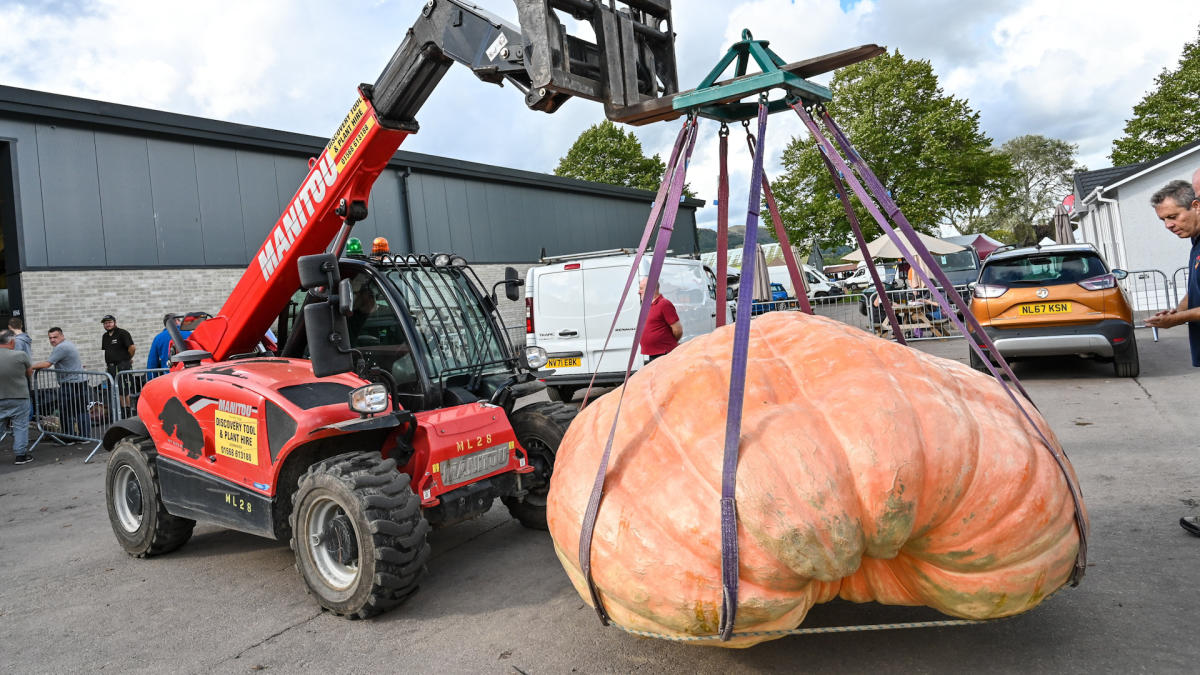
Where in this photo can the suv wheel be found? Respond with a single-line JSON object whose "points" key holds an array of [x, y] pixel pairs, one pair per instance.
{"points": [[1125, 362]]}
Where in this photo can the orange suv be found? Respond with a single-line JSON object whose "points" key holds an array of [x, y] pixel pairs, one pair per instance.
{"points": [[1055, 300]]}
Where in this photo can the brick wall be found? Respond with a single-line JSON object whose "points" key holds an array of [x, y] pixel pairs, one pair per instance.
{"points": [[75, 301]]}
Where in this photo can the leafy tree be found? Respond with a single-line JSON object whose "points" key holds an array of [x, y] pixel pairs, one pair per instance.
{"points": [[925, 146], [605, 153], [1041, 176], [1167, 118]]}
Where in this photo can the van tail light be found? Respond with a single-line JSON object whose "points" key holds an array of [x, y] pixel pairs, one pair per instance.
{"points": [[1099, 283], [528, 316], [989, 291]]}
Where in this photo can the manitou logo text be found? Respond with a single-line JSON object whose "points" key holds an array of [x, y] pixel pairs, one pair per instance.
{"points": [[303, 206]]}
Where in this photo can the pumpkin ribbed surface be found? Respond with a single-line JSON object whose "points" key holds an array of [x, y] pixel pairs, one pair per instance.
{"points": [[867, 470]]}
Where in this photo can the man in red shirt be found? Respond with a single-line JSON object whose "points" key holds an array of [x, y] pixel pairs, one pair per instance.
{"points": [[663, 329]]}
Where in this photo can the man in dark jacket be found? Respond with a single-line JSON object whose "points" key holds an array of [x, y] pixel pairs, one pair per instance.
{"points": [[118, 353], [1178, 208]]}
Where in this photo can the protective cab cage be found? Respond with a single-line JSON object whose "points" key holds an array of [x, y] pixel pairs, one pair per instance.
{"points": [[453, 331]]}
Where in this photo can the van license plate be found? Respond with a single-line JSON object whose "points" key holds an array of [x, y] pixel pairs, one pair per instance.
{"points": [[569, 362], [1046, 308]]}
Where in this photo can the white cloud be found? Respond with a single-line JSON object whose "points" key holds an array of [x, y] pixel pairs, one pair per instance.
{"points": [[1069, 69]]}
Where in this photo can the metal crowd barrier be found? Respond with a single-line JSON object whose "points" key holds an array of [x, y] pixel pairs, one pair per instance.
{"points": [[1149, 292], [78, 405], [919, 316], [1179, 280]]}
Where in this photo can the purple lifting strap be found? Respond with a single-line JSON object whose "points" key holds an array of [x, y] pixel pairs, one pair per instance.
{"points": [[723, 225], [789, 256], [925, 257], [656, 210], [675, 179], [737, 391]]}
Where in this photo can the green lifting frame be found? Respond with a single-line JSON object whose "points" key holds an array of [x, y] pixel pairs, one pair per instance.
{"points": [[712, 99], [722, 100]]}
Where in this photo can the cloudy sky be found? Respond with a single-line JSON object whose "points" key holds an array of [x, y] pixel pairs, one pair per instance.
{"points": [[1069, 69]]}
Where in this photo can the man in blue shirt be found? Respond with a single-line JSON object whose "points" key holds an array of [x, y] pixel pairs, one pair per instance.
{"points": [[1178, 208], [160, 348]]}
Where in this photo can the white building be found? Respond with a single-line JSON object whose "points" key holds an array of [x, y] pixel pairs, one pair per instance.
{"points": [[1113, 212]]}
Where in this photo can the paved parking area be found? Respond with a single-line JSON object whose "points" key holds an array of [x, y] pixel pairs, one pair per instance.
{"points": [[497, 601]]}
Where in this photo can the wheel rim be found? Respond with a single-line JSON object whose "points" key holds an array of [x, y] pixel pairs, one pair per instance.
{"points": [[325, 531], [127, 498]]}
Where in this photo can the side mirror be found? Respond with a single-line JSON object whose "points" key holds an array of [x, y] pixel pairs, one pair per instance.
{"points": [[345, 301], [327, 344], [1120, 274], [729, 293], [512, 284], [325, 322], [318, 270]]}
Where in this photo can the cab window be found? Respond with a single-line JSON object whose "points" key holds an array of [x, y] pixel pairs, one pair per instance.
{"points": [[375, 330]]}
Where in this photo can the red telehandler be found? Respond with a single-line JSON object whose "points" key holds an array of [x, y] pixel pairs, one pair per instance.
{"points": [[390, 406]]}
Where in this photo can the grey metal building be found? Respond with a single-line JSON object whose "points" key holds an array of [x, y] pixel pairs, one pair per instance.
{"points": [[111, 208]]}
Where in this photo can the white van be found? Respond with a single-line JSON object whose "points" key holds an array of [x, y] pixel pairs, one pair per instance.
{"points": [[570, 302], [818, 285], [862, 277]]}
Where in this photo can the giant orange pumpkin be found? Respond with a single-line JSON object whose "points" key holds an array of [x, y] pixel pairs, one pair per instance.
{"points": [[867, 470]]}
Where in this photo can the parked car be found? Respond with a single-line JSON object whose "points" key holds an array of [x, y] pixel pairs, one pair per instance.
{"points": [[778, 292], [569, 306], [961, 267], [1055, 300]]}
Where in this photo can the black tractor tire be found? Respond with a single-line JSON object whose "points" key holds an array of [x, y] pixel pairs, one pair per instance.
{"points": [[560, 394], [358, 534], [135, 509], [1126, 362], [540, 428]]}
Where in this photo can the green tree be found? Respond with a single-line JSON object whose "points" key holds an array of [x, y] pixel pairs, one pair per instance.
{"points": [[605, 153], [925, 146], [1041, 176], [1167, 118]]}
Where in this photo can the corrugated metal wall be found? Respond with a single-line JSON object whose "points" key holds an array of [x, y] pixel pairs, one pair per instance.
{"points": [[99, 198]]}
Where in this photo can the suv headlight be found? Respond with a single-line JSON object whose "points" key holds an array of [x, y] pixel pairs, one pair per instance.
{"points": [[536, 357], [371, 398]]}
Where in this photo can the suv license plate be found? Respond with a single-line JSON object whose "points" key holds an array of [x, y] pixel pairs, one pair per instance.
{"points": [[1046, 308], [569, 362]]}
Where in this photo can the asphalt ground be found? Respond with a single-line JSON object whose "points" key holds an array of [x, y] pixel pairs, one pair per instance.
{"points": [[497, 601]]}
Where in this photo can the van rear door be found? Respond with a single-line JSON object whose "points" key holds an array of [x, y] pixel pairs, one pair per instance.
{"points": [[602, 286], [559, 324]]}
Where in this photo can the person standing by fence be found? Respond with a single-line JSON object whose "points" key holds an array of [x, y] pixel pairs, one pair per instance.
{"points": [[118, 348], [14, 394], [663, 328], [72, 384], [1176, 205]]}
